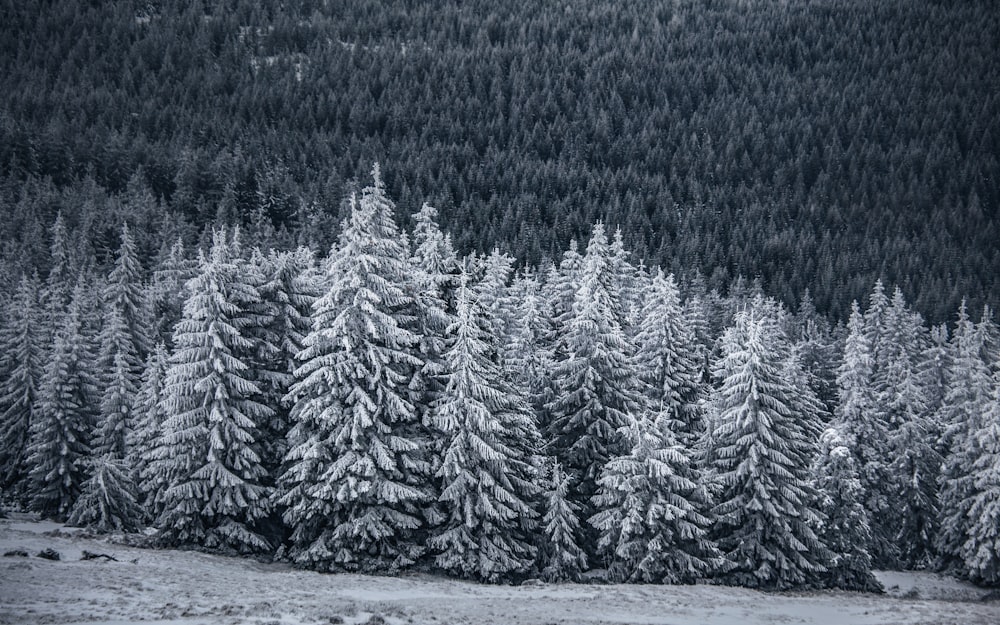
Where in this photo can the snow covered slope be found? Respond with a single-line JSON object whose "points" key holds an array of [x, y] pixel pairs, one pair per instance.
{"points": [[179, 587]]}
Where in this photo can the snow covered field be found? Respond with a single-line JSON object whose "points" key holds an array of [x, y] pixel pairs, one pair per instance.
{"points": [[195, 588]]}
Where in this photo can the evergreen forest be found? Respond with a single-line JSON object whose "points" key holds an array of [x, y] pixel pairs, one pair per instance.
{"points": [[642, 292], [813, 144]]}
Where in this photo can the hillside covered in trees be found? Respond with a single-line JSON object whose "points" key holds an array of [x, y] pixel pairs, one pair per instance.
{"points": [[814, 145]]}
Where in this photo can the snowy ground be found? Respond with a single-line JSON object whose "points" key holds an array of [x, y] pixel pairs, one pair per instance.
{"points": [[190, 588]]}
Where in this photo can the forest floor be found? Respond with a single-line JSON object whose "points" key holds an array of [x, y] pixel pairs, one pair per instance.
{"points": [[186, 587]]}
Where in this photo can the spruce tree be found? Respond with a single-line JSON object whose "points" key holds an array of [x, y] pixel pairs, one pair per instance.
{"points": [[125, 292], [561, 558], [279, 290], [215, 495], [765, 515], [966, 401], [666, 360], [108, 501], [846, 531], [433, 265], [530, 357], [627, 282], [59, 283], [493, 296], [914, 464], [165, 294], [652, 523], [981, 550], [146, 453], [60, 434], [862, 425], [21, 354], [595, 379], [356, 475], [488, 470]]}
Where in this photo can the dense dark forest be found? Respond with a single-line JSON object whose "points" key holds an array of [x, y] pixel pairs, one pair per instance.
{"points": [[815, 145]]}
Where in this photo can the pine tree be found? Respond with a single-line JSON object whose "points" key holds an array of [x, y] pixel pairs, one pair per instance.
{"points": [[861, 424], [765, 515], [289, 288], [595, 380], [846, 532], [165, 294], [666, 360], [530, 357], [21, 353], [981, 550], [626, 283], [146, 453], [355, 480], [433, 264], [108, 501], [652, 523], [125, 293], [803, 402], [58, 283], [933, 372], [117, 400], [492, 293], [563, 284], [215, 497], [115, 341], [561, 559], [966, 400], [914, 465], [59, 438], [875, 323], [487, 475], [434, 255]]}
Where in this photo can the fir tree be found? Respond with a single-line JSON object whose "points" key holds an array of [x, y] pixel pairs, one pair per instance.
{"points": [[108, 501], [803, 402], [59, 438], [981, 550], [165, 294], [114, 342], [125, 292], [116, 404], [563, 284], [561, 559], [58, 283], [765, 516], [862, 426], [846, 532], [21, 353], [652, 523], [966, 400], [433, 264], [666, 360], [146, 454], [595, 380], [626, 284], [492, 293], [933, 372], [487, 475], [914, 465], [215, 497], [277, 295], [355, 480], [530, 357]]}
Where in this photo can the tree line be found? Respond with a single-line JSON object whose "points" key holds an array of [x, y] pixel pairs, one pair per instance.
{"points": [[393, 404]]}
